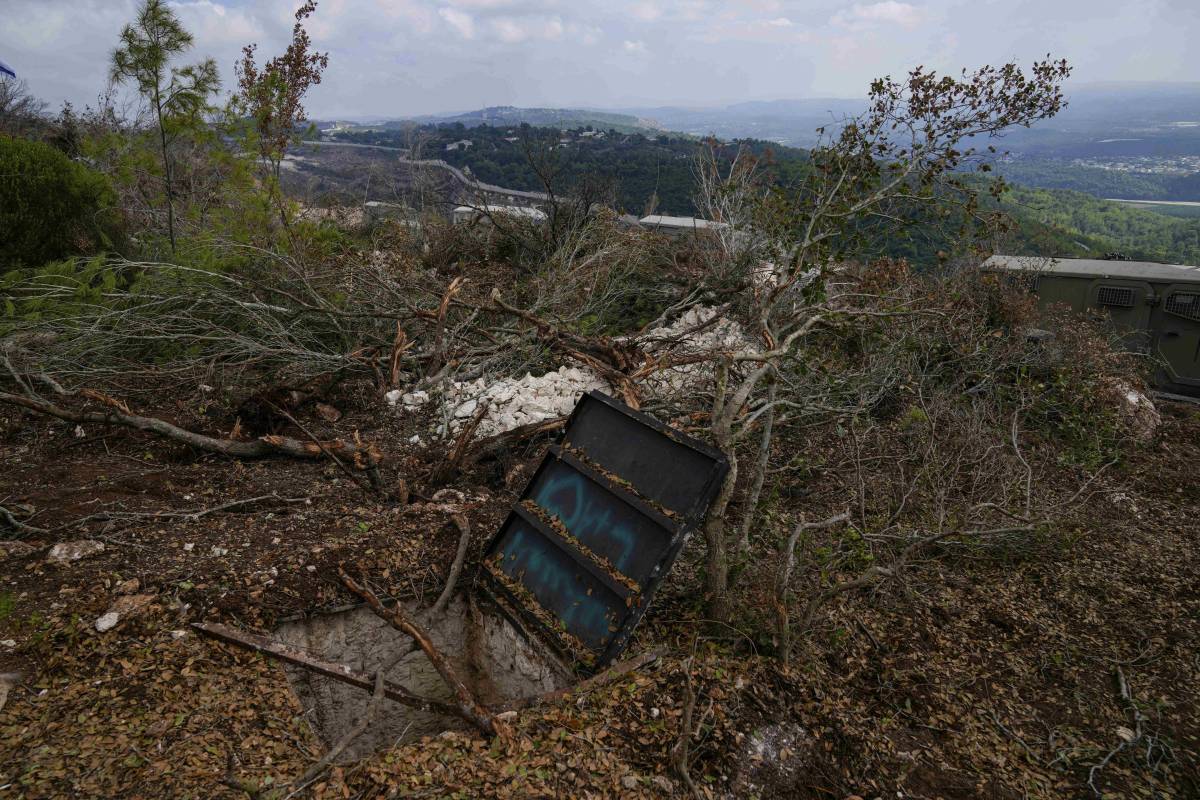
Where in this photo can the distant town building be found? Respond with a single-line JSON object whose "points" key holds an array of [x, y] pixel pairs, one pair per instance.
{"points": [[486, 213], [679, 225]]}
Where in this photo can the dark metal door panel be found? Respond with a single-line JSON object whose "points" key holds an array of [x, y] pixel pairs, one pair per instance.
{"points": [[608, 525], [667, 466], [598, 527], [1178, 335], [588, 610]]}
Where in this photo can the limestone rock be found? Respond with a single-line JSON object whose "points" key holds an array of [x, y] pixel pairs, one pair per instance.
{"points": [[107, 622], [73, 551]]}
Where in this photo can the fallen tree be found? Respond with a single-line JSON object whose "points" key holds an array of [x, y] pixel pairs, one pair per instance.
{"points": [[364, 455]]}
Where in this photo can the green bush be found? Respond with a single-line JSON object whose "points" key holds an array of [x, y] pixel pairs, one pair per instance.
{"points": [[50, 206]]}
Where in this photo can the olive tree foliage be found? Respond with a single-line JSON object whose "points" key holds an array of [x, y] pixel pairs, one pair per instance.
{"points": [[906, 151], [271, 98], [178, 96]]}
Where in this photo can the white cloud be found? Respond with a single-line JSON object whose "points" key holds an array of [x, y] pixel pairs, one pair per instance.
{"points": [[512, 30], [888, 12], [461, 21], [634, 46], [646, 12]]}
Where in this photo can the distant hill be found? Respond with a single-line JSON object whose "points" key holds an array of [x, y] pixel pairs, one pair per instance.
{"points": [[502, 116], [1102, 120]]}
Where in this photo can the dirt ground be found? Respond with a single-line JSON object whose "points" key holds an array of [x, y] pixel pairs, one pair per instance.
{"points": [[995, 678]]}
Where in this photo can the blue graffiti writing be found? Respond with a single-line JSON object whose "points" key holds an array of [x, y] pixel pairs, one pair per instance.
{"points": [[583, 604], [572, 498]]}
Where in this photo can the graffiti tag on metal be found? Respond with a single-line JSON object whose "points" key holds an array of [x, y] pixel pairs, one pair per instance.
{"points": [[599, 526]]}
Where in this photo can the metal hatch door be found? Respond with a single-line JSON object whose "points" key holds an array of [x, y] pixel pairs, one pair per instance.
{"points": [[1178, 337], [598, 527], [1127, 304]]}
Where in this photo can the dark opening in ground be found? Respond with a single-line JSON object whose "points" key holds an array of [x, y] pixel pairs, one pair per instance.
{"points": [[488, 652]]}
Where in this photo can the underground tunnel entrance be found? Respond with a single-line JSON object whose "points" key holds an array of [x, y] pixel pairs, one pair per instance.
{"points": [[496, 662]]}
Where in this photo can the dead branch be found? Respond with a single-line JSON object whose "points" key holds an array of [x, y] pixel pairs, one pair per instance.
{"points": [[614, 361], [501, 442], [1128, 738], [614, 673], [464, 539], [449, 465], [682, 746], [370, 463], [468, 706], [438, 356], [400, 346], [262, 447], [20, 527], [340, 746], [784, 579]]}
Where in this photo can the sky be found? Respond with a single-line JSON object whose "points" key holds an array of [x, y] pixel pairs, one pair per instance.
{"points": [[397, 58]]}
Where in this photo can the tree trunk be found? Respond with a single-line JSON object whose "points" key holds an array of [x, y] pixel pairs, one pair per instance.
{"points": [[162, 138], [716, 568]]}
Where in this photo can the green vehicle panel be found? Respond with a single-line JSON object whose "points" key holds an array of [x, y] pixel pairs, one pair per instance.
{"points": [[1154, 307]]}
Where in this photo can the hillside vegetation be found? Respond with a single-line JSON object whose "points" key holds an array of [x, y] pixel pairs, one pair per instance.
{"points": [[644, 173]]}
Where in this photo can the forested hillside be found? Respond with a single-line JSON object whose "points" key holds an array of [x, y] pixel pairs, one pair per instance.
{"points": [[1101, 182], [659, 173]]}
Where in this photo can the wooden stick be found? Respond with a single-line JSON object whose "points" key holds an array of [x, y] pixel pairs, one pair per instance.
{"points": [[258, 448], [339, 672], [613, 673], [469, 708], [340, 746], [464, 539]]}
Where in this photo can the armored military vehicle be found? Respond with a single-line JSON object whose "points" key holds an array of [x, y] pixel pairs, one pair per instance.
{"points": [[1156, 307]]}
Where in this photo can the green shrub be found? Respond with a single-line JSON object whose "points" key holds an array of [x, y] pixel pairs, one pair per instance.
{"points": [[50, 206]]}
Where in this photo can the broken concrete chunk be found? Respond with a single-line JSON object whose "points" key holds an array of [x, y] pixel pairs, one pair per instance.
{"points": [[73, 551]]}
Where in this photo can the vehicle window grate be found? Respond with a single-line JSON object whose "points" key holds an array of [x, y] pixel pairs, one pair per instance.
{"points": [[1184, 304], [1115, 296]]}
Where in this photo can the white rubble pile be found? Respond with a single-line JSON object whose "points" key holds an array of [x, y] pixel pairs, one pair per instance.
{"points": [[723, 335], [513, 402]]}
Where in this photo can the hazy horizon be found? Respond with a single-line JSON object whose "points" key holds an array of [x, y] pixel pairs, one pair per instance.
{"points": [[407, 58]]}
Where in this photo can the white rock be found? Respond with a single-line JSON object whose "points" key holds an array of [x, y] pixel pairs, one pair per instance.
{"points": [[108, 621], [393, 397], [73, 551], [9, 643], [418, 398], [187, 547]]}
